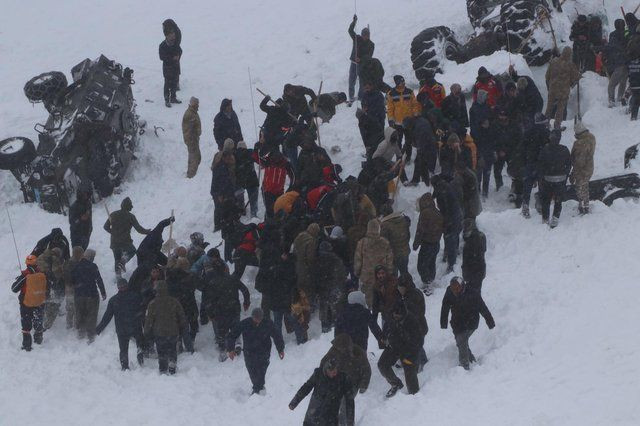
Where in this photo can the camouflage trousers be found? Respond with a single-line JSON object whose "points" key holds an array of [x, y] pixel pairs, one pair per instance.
{"points": [[582, 190], [559, 101], [194, 159]]}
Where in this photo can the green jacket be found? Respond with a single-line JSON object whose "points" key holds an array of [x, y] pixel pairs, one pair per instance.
{"points": [[119, 225], [165, 316]]}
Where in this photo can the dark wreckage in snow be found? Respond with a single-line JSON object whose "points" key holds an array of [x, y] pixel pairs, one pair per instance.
{"points": [[88, 140]]}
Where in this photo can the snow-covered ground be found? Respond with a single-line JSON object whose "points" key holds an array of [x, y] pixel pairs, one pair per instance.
{"points": [[564, 350]]}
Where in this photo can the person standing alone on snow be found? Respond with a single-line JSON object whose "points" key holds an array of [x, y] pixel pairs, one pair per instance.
{"points": [[191, 131], [32, 286], [257, 333], [170, 26], [362, 47], [86, 283], [170, 53], [119, 224]]}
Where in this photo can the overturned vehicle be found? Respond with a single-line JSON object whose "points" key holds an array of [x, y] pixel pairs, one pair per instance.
{"points": [[519, 26], [86, 144]]}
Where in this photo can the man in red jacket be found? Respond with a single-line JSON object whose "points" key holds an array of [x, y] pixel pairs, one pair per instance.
{"points": [[486, 82], [276, 169]]}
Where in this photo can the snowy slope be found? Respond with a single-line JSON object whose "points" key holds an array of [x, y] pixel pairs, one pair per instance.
{"points": [[565, 301]]}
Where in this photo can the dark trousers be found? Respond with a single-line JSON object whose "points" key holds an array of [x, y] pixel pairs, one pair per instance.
{"points": [[401, 264], [121, 256], [123, 343], [167, 353], [497, 171], [269, 200], [281, 316], [217, 215], [291, 152], [79, 239], [257, 368], [634, 104], [530, 177], [451, 244], [465, 356], [86, 316], [253, 200], [347, 412], [170, 87], [31, 319], [484, 175], [353, 77], [222, 324], [551, 191], [420, 170], [427, 261], [385, 364]]}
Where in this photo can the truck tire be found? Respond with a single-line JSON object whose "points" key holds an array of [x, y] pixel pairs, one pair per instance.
{"points": [[45, 86], [518, 19], [16, 152], [431, 47]]}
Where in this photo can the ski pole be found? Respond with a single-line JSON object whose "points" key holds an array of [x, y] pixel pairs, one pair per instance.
{"points": [[253, 105], [274, 103], [14, 238]]}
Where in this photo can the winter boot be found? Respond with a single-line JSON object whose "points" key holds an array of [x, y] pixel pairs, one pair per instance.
{"points": [[124, 366], [553, 222], [37, 337], [612, 104], [222, 356], [140, 357], [525, 211], [499, 183], [175, 100], [167, 104], [238, 350], [172, 368], [394, 389], [427, 288], [26, 341]]}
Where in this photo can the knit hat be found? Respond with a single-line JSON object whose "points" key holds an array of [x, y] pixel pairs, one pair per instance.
{"points": [[398, 79], [90, 254], [579, 128], [122, 284], [228, 146], [482, 72], [257, 314], [357, 298], [336, 233], [379, 268], [329, 365], [213, 253], [365, 31], [241, 144], [522, 83], [194, 101], [325, 247]]}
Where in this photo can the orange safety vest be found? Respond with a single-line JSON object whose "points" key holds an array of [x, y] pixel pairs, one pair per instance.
{"points": [[35, 291]]}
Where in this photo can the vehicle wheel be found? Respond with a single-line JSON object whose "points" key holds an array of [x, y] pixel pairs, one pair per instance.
{"points": [[16, 152], [518, 19], [623, 193], [45, 86], [431, 47], [478, 10]]}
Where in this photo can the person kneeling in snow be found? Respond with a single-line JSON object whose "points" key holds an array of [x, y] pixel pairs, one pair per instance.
{"points": [[466, 306]]}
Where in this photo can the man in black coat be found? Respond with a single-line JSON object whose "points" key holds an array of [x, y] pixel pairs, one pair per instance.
{"points": [[534, 139], [170, 26], [363, 47], [80, 224], [246, 177], [295, 97], [454, 106], [466, 306], [356, 320], [554, 166], [257, 333], [126, 307], [170, 53], [150, 249], [423, 138], [449, 205], [329, 387], [278, 118], [615, 60], [226, 124], [474, 268], [55, 239], [403, 340], [86, 281], [370, 120]]}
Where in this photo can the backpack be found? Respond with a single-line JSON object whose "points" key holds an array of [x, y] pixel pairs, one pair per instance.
{"points": [[35, 291]]}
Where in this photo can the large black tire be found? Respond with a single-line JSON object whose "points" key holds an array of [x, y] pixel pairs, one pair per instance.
{"points": [[430, 48], [16, 152], [518, 19], [478, 10], [45, 87]]}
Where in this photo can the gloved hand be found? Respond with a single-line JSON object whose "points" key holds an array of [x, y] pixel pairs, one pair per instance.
{"points": [[355, 18], [359, 113], [491, 324]]}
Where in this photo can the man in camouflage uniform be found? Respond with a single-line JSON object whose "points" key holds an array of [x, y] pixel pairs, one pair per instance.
{"points": [[191, 131], [582, 162], [561, 75]]}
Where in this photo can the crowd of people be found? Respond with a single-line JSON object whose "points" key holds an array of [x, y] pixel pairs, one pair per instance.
{"points": [[329, 244]]}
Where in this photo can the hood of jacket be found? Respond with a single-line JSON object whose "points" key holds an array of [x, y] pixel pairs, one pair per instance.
{"points": [[373, 228], [426, 202], [357, 298], [225, 103], [126, 204], [313, 229], [566, 54], [343, 343], [162, 289], [388, 132]]}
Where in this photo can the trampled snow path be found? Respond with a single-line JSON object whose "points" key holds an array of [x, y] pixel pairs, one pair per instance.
{"points": [[564, 350]]}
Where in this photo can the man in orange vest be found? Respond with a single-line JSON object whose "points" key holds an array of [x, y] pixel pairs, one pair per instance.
{"points": [[32, 286]]}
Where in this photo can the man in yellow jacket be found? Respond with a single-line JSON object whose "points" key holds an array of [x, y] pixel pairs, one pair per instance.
{"points": [[401, 103]]}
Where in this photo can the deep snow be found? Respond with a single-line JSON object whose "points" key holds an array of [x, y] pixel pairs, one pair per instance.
{"points": [[564, 350]]}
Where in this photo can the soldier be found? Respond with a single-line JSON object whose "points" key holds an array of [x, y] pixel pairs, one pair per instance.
{"points": [[191, 131], [80, 223], [372, 250], [119, 224], [427, 239], [582, 162], [561, 75]]}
